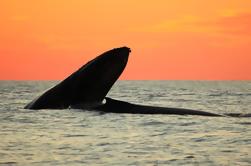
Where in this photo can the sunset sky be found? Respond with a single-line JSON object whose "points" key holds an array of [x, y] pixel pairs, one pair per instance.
{"points": [[169, 39]]}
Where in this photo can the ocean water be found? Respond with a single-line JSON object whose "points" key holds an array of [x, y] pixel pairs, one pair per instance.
{"points": [[80, 137]]}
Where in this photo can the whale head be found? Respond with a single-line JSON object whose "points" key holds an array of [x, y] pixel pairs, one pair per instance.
{"points": [[102, 72], [88, 85], [107, 67]]}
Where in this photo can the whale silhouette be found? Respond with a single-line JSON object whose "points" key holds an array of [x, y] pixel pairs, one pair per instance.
{"points": [[87, 89], [87, 86]]}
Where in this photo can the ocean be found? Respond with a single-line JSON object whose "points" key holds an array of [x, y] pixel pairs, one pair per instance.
{"points": [[80, 137]]}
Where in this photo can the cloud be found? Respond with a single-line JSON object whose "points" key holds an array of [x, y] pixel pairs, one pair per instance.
{"points": [[235, 25], [230, 24]]}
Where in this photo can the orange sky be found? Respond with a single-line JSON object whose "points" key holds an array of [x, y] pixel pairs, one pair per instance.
{"points": [[178, 40]]}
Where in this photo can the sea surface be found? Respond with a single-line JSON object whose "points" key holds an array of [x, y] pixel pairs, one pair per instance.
{"points": [[80, 137]]}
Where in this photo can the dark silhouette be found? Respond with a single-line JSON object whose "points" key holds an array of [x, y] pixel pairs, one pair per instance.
{"points": [[116, 106], [87, 87]]}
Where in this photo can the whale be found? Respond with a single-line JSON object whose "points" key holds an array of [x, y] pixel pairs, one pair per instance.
{"points": [[87, 88], [117, 106]]}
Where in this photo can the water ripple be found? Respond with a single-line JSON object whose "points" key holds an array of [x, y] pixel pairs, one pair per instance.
{"points": [[79, 137]]}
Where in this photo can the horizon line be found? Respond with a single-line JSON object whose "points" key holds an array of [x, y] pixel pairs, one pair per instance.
{"points": [[135, 79]]}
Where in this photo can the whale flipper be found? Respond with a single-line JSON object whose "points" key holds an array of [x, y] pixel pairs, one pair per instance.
{"points": [[89, 84]]}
